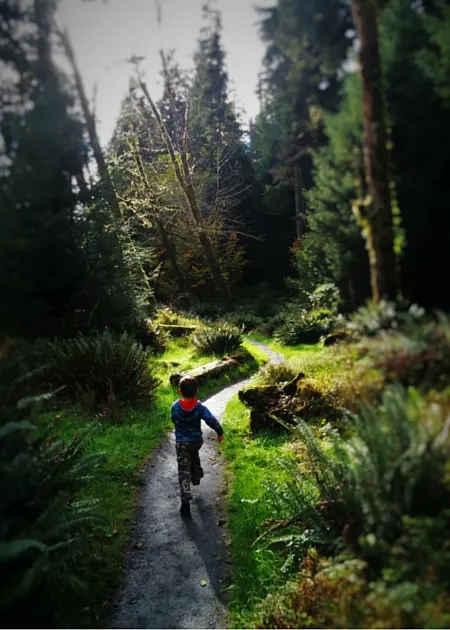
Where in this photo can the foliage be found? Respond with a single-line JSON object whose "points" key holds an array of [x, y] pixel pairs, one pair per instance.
{"points": [[44, 524], [371, 319], [151, 336], [170, 317], [221, 339], [216, 139], [335, 593], [419, 357], [332, 249], [325, 296], [244, 320], [274, 373], [102, 372], [323, 595], [304, 326], [394, 467]]}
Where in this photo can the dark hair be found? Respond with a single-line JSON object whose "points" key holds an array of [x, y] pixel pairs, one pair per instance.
{"points": [[188, 386]]}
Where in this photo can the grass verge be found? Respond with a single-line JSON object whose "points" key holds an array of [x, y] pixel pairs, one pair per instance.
{"points": [[251, 462], [126, 448]]}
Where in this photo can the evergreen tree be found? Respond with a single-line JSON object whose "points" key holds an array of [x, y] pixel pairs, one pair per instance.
{"points": [[215, 136], [333, 248], [52, 279]]}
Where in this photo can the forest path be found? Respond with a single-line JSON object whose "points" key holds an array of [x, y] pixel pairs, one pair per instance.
{"points": [[176, 569]]}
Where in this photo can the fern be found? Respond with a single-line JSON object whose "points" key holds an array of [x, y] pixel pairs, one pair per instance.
{"points": [[219, 339], [102, 372], [393, 467], [42, 524]]}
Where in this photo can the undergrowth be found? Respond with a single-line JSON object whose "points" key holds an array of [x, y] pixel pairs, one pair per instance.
{"points": [[371, 500]]}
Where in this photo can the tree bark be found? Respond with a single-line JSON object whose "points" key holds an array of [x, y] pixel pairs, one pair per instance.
{"points": [[380, 233], [206, 371], [185, 181]]}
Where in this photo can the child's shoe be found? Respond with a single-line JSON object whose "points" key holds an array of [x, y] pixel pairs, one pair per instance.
{"points": [[185, 509], [195, 479]]}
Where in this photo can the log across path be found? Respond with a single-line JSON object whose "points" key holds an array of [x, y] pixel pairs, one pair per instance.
{"points": [[176, 569]]}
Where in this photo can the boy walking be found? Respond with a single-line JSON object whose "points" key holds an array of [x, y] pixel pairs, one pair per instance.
{"points": [[187, 414]]}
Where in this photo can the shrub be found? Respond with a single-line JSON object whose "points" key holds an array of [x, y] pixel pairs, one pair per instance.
{"points": [[219, 339], [371, 319], [269, 326], [335, 593], [420, 358], [151, 335], [305, 327], [274, 373], [102, 372], [41, 518], [393, 467], [325, 594], [325, 296], [168, 317], [246, 321]]}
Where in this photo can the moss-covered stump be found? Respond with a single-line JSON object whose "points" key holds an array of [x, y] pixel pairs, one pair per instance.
{"points": [[270, 403], [300, 398]]}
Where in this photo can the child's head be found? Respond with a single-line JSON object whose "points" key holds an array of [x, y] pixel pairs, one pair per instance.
{"points": [[188, 386]]}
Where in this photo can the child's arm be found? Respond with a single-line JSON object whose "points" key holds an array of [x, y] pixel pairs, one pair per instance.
{"points": [[172, 413], [211, 421]]}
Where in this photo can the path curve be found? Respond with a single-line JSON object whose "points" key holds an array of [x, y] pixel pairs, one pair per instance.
{"points": [[170, 558]]}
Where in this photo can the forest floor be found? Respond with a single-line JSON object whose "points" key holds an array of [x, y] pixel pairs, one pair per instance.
{"points": [[176, 569]]}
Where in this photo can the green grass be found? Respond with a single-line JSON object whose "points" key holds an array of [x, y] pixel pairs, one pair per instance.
{"points": [[126, 448], [252, 461], [313, 359], [257, 353]]}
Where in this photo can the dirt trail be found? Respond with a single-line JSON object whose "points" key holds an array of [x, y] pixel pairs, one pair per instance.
{"points": [[171, 558]]}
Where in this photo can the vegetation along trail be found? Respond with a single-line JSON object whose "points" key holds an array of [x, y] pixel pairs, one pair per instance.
{"points": [[175, 570]]}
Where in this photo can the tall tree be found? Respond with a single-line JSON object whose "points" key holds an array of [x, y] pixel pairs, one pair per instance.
{"points": [[215, 136], [306, 44], [184, 176], [377, 214]]}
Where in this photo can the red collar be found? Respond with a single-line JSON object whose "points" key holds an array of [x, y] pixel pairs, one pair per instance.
{"points": [[188, 404]]}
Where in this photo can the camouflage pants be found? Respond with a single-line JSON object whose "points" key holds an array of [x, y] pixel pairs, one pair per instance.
{"points": [[189, 467]]}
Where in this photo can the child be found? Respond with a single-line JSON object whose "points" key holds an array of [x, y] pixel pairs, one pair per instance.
{"points": [[187, 415]]}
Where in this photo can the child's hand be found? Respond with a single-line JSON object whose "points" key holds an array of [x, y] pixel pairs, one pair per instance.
{"points": [[220, 438]]}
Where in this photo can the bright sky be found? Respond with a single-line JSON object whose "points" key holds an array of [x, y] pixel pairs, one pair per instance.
{"points": [[105, 33]]}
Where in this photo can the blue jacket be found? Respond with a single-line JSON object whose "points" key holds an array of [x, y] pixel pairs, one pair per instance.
{"points": [[187, 416]]}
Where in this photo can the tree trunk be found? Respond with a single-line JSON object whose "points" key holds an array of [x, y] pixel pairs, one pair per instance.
{"points": [[206, 371], [105, 177], [185, 181], [380, 234]]}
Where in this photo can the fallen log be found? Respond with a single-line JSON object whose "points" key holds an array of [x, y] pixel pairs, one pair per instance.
{"points": [[204, 372]]}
